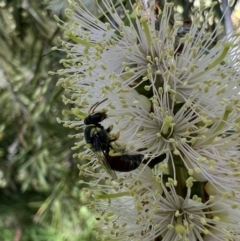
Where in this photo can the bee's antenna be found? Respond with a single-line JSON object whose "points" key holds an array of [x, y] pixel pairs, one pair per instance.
{"points": [[92, 109]]}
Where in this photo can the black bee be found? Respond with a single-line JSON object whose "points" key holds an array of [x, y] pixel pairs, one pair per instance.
{"points": [[98, 137], [100, 141]]}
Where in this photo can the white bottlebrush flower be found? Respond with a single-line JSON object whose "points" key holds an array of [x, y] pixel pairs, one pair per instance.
{"points": [[135, 212], [128, 55], [192, 218], [120, 204], [168, 95]]}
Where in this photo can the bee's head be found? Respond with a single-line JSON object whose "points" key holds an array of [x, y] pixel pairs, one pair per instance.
{"points": [[95, 118]]}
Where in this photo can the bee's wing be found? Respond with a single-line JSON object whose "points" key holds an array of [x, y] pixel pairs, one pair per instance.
{"points": [[103, 157], [103, 160]]}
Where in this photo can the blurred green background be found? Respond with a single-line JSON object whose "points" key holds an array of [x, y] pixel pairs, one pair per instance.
{"points": [[40, 195]]}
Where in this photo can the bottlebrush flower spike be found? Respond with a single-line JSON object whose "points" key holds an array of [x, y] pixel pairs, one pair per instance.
{"points": [[171, 96]]}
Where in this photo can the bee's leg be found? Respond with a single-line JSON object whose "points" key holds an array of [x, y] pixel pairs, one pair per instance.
{"points": [[113, 137], [113, 153], [117, 149], [109, 128], [155, 160]]}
